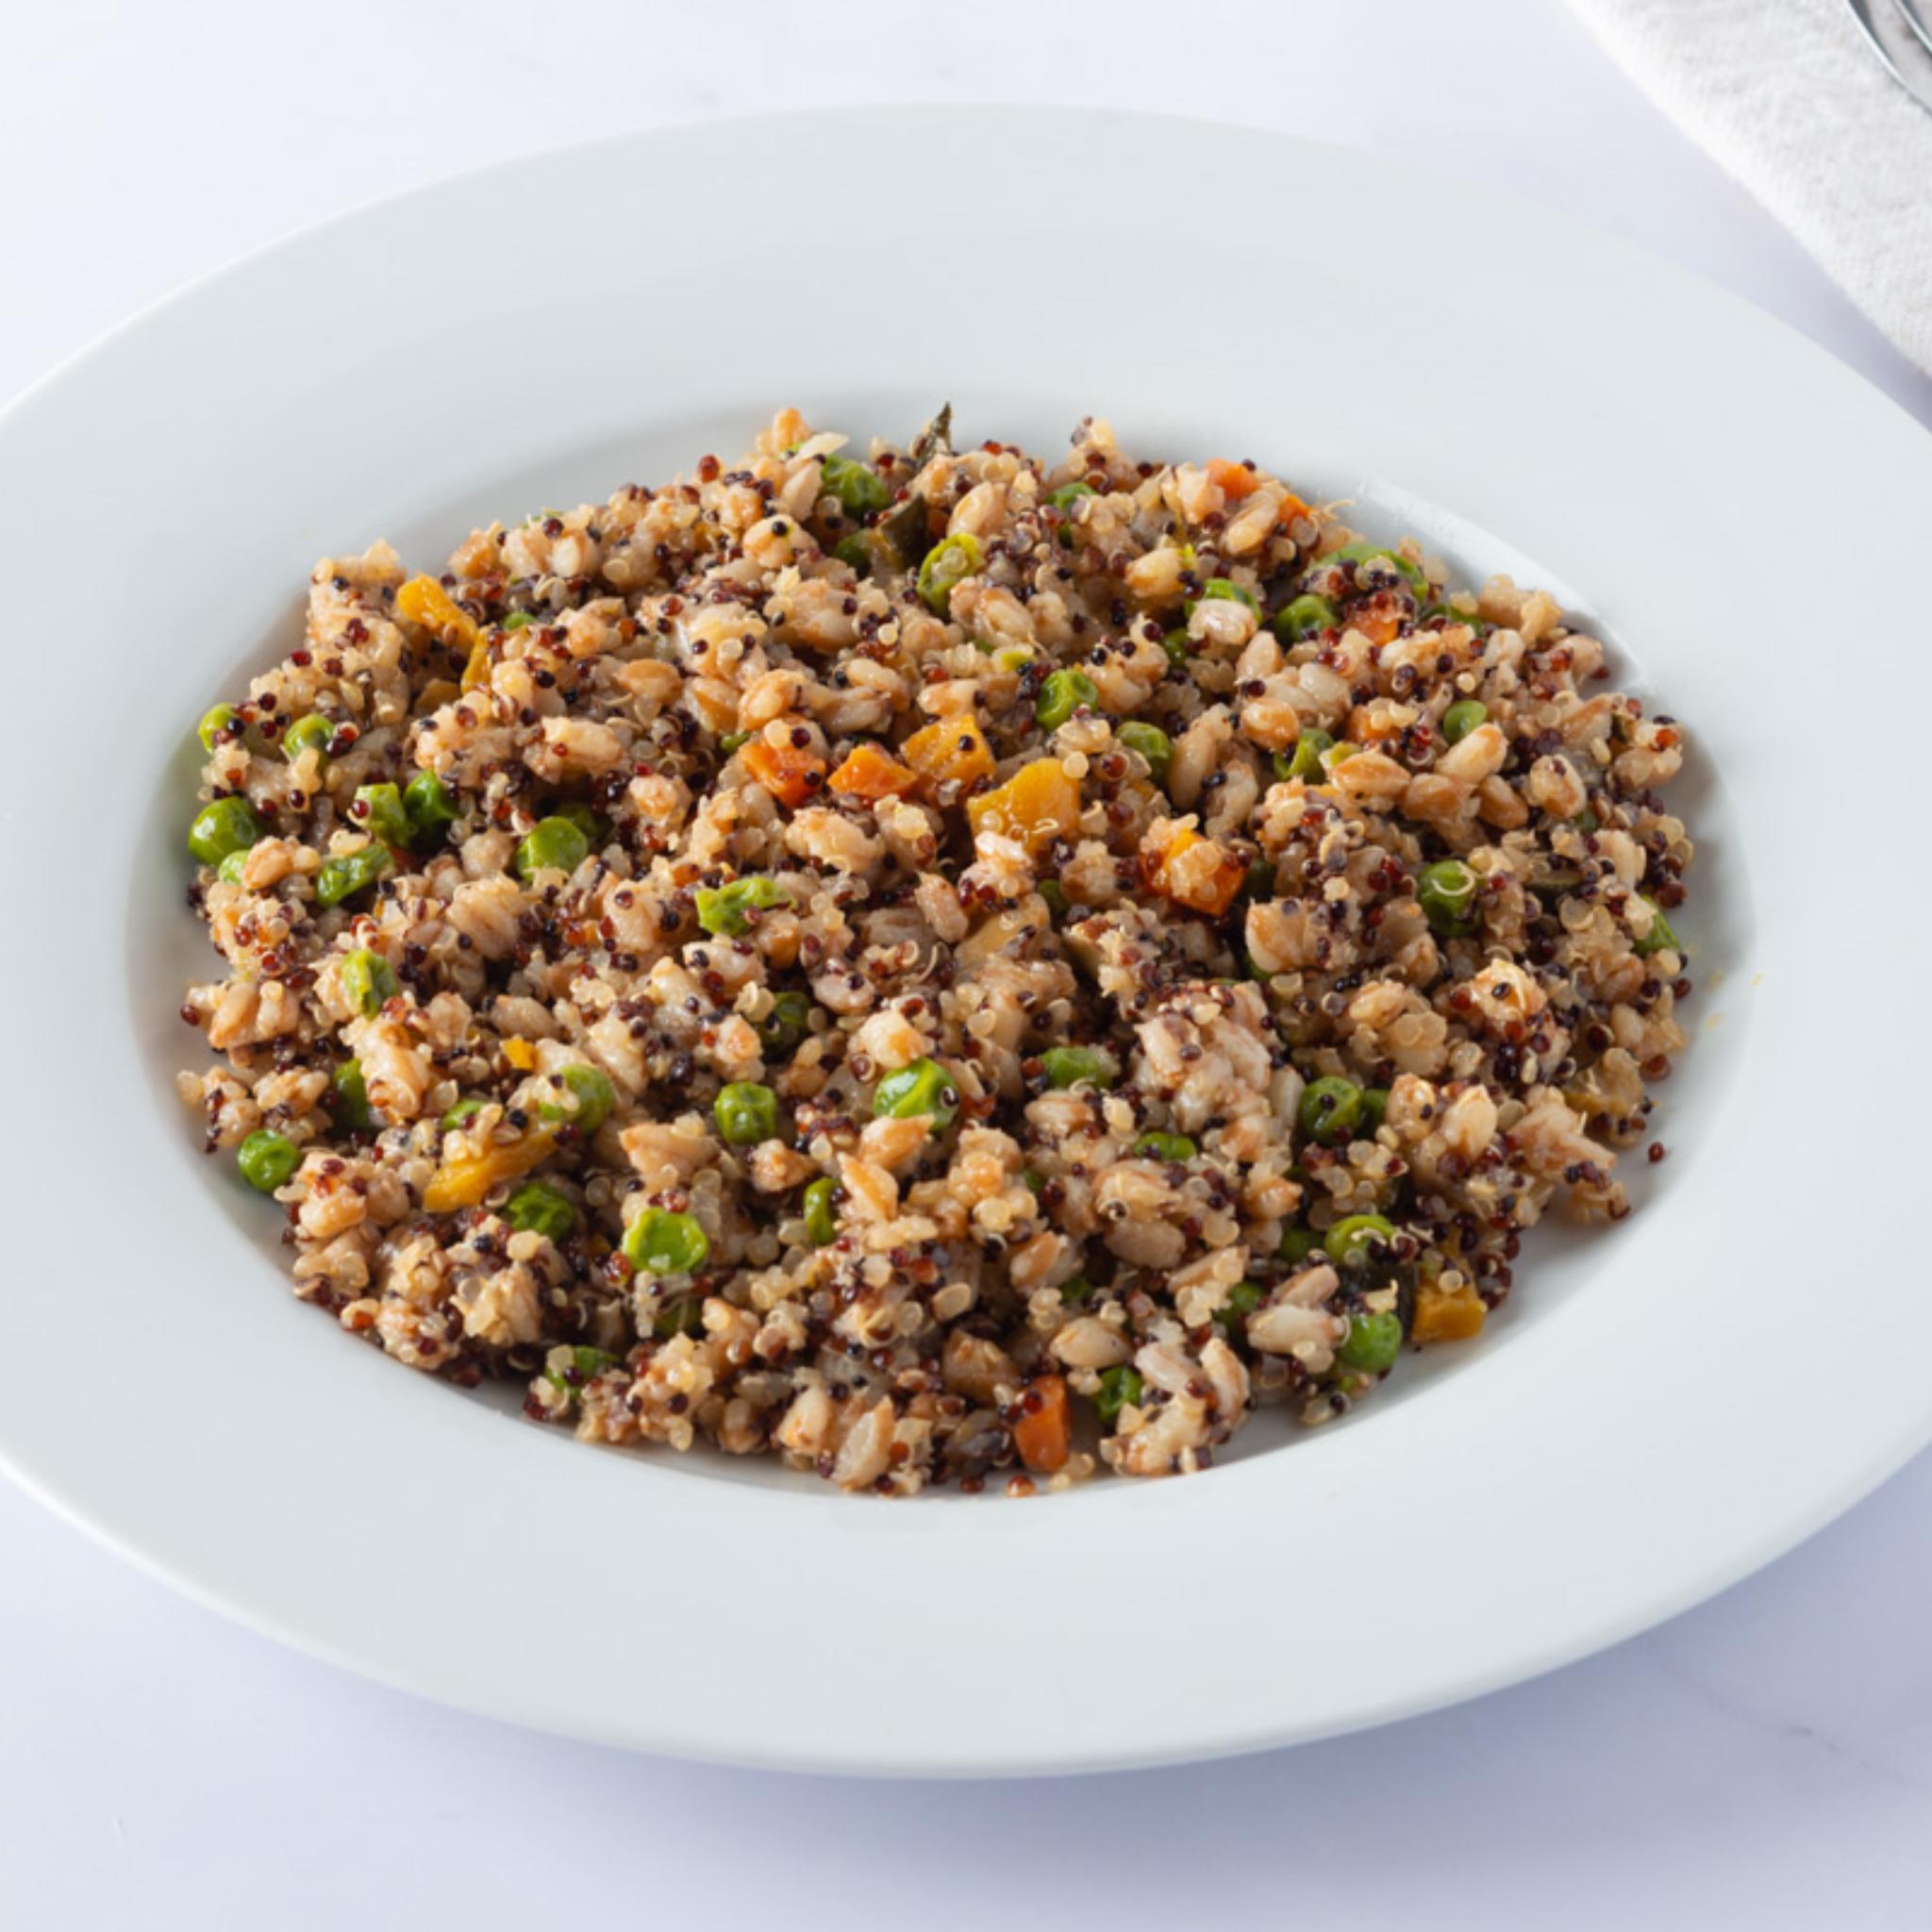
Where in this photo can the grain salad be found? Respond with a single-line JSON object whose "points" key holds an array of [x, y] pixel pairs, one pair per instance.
{"points": [[930, 964]]}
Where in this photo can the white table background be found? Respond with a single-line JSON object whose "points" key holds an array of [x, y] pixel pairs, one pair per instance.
{"points": [[1763, 1761]]}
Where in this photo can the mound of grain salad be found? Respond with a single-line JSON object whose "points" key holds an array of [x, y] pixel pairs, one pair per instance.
{"points": [[930, 964]]}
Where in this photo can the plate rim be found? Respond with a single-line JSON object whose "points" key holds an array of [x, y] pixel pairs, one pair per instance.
{"points": [[1873, 1471]]}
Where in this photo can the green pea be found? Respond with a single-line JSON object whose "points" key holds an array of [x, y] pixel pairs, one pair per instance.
{"points": [[586, 1365], [229, 871], [1033, 1182], [1461, 718], [1377, 552], [1260, 880], [722, 909], [591, 1091], [1329, 1110], [518, 620], [859, 489], [1055, 896], [785, 1025], [368, 980], [1303, 616], [1061, 695], [588, 820], [1067, 494], [1225, 589], [855, 551], [267, 1160], [311, 733], [1587, 821], [1067, 1066], [1351, 1236], [1659, 936], [429, 805], [947, 565], [746, 1113], [214, 721], [820, 1224], [349, 873], [1305, 763], [661, 1243], [1176, 644], [227, 826], [1372, 1345], [349, 1097], [685, 1316], [1151, 741], [1119, 1386], [1375, 1105], [382, 815], [1446, 893], [536, 1208], [1165, 1147], [1297, 1244], [1243, 1298], [462, 1112], [923, 1088], [1074, 1289], [552, 844]]}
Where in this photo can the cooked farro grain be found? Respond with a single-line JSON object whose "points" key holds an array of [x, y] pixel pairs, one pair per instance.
{"points": [[931, 963]]}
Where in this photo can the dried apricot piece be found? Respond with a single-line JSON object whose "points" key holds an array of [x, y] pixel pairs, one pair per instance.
{"points": [[871, 772], [1038, 804], [468, 1174], [1446, 1314], [790, 775], [951, 751]]}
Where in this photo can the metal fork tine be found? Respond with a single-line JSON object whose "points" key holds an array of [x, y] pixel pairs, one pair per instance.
{"points": [[1907, 10], [1861, 12]]}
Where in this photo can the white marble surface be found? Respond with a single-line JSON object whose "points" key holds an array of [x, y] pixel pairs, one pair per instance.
{"points": [[1763, 1761]]}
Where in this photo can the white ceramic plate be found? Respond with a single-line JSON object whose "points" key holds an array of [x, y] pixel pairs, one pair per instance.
{"points": [[1662, 1409]]}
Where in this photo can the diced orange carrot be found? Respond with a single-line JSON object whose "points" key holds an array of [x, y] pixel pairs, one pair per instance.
{"points": [[1039, 802], [949, 751], [466, 1176], [1379, 628], [1236, 479], [1443, 1314], [1042, 1434], [1292, 508], [870, 772], [1192, 872], [791, 775]]}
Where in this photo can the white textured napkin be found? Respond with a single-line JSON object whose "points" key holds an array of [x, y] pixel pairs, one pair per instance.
{"points": [[1789, 96]]}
